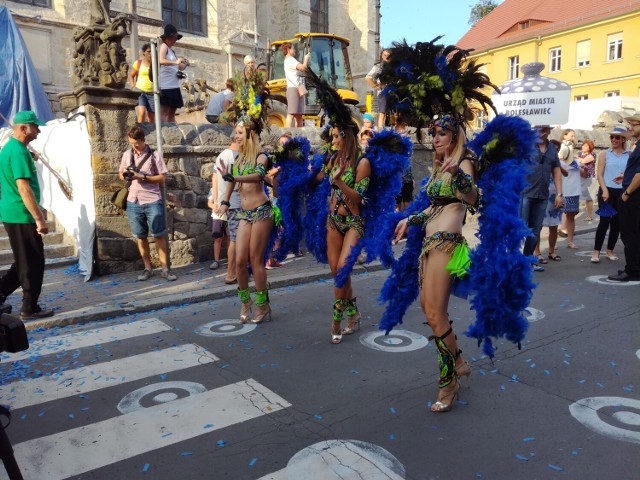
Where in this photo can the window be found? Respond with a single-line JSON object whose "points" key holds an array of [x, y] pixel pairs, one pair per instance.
{"points": [[614, 50], [37, 3], [186, 15], [579, 98], [525, 24], [555, 59], [612, 93], [583, 52], [514, 67], [319, 16]]}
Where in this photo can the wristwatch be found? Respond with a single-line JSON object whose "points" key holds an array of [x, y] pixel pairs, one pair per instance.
{"points": [[560, 195]]}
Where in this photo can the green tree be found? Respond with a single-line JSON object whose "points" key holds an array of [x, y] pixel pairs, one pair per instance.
{"points": [[480, 10]]}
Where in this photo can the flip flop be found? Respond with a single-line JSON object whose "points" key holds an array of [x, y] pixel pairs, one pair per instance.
{"points": [[542, 260], [613, 258], [230, 282], [555, 257]]}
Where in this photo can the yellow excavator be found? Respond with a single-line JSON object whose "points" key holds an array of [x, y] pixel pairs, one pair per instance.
{"points": [[329, 60]]}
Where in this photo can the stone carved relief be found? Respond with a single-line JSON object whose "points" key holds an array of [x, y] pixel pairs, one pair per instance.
{"points": [[98, 58]]}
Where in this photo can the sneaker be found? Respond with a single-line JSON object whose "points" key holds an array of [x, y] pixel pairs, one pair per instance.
{"points": [[168, 275], [37, 313], [145, 275], [538, 268], [214, 265]]}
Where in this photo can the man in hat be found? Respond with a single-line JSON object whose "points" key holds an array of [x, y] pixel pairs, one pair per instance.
{"points": [[533, 202], [629, 210], [23, 219]]}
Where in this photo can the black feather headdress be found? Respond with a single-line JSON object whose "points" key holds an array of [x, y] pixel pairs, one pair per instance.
{"points": [[335, 109], [250, 102], [430, 80]]}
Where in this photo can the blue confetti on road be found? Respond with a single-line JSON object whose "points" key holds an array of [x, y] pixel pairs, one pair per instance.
{"points": [[555, 467], [317, 417], [392, 437], [208, 425], [221, 443], [392, 410], [253, 461], [528, 439], [522, 457], [186, 454], [146, 467]]}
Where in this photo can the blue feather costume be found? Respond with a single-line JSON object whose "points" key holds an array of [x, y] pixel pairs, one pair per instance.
{"points": [[500, 276]]}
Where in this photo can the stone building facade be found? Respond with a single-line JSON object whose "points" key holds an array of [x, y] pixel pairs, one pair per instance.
{"points": [[217, 34]]}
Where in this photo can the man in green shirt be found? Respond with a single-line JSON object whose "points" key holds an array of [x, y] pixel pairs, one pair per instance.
{"points": [[22, 217]]}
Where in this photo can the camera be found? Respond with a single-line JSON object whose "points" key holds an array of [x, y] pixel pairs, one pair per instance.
{"points": [[181, 75], [130, 172]]}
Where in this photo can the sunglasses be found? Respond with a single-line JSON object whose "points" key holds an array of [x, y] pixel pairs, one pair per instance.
{"points": [[615, 137]]}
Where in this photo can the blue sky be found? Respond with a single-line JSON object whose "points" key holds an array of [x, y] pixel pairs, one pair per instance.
{"points": [[423, 20]]}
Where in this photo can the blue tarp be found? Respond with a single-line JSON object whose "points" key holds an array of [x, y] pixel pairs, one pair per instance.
{"points": [[20, 87]]}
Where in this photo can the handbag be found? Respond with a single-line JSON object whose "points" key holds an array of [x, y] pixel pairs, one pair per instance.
{"points": [[119, 197]]}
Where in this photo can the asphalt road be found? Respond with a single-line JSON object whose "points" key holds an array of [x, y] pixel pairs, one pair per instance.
{"points": [[279, 401]]}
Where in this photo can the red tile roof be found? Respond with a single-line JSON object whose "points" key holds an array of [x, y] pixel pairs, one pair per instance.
{"points": [[502, 25]]}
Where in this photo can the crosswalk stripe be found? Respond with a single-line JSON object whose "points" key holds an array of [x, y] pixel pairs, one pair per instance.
{"points": [[88, 338], [86, 448], [101, 375]]}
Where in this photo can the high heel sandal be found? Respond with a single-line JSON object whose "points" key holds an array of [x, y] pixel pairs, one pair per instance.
{"points": [[262, 311], [336, 338], [245, 312], [339, 307], [464, 370], [353, 317], [446, 396]]}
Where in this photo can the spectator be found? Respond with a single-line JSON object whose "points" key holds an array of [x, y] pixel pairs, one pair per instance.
{"points": [[171, 71], [146, 171], [629, 208], [587, 160], [570, 185], [220, 102], [296, 90], [226, 159], [219, 225], [249, 65], [140, 79], [23, 219], [533, 201], [373, 79], [364, 136], [367, 121]]}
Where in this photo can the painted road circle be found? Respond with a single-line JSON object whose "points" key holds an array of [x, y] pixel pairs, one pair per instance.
{"points": [[344, 459], [533, 314], [229, 327], [398, 341], [593, 411], [603, 280], [132, 402]]}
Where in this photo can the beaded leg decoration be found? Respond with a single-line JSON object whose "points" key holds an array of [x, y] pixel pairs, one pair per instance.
{"points": [[263, 307], [339, 307], [448, 382], [245, 310], [353, 317]]}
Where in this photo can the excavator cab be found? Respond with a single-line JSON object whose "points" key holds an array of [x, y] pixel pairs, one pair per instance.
{"points": [[329, 59]]}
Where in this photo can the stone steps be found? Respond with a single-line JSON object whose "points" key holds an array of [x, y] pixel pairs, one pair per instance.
{"points": [[58, 250]]}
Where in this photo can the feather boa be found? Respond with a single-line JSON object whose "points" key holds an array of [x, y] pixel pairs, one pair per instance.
{"points": [[401, 287], [316, 200], [389, 154], [293, 178], [501, 275]]}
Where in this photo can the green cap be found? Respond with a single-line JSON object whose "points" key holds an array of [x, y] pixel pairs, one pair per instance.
{"points": [[27, 116]]}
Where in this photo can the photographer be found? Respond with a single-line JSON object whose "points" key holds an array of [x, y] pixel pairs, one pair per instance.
{"points": [[146, 171], [171, 72]]}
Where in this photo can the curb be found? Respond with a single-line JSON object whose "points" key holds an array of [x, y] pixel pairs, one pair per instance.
{"points": [[103, 312]]}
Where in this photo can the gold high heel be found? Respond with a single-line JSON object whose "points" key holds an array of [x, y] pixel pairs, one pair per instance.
{"points": [[245, 312], [464, 370], [336, 338], [353, 324], [262, 312], [446, 396]]}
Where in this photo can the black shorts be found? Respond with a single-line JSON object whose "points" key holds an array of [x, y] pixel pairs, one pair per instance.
{"points": [[171, 97]]}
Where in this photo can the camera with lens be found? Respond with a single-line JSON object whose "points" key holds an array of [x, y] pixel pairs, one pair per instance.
{"points": [[130, 172], [181, 75]]}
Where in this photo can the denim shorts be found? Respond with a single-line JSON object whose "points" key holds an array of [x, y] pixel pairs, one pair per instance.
{"points": [[146, 100], [143, 216]]}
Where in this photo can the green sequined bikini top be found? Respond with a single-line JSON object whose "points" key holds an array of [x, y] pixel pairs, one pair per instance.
{"points": [[248, 169], [440, 186]]}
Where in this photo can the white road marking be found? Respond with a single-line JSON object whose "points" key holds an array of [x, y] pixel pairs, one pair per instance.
{"points": [[88, 338], [604, 280], [586, 412], [225, 328], [86, 448], [398, 341], [102, 375], [341, 459]]}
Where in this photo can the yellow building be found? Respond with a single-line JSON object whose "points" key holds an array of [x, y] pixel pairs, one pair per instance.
{"points": [[593, 45]]}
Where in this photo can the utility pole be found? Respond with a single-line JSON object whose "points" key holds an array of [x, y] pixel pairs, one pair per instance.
{"points": [[134, 30]]}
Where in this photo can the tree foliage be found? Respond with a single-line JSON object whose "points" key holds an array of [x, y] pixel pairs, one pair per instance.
{"points": [[480, 10]]}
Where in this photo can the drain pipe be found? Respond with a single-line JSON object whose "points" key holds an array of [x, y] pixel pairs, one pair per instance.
{"points": [[377, 35]]}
